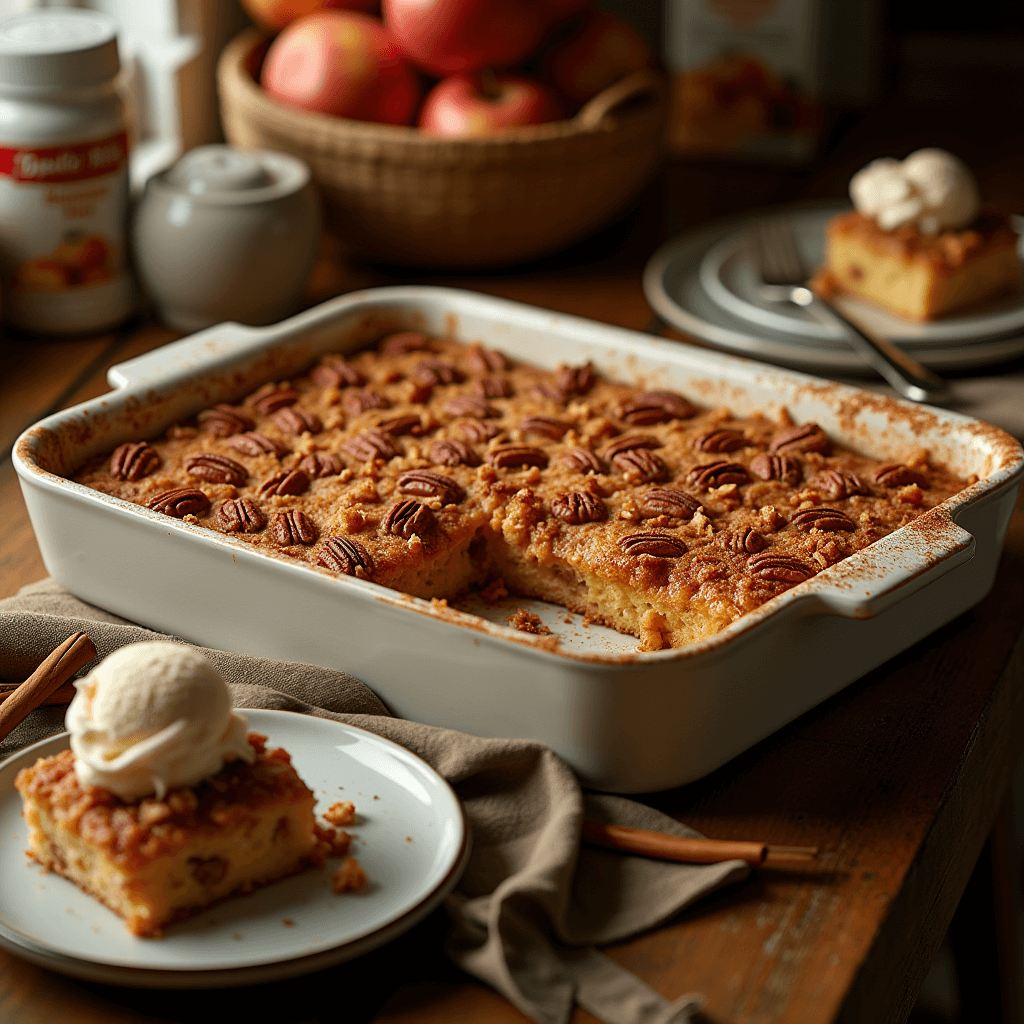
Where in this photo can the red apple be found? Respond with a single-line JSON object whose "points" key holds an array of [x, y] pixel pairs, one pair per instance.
{"points": [[603, 49], [275, 14], [446, 37], [460, 108], [341, 63]]}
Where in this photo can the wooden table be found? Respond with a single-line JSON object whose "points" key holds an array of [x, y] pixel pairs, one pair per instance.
{"points": [[899, 777]]}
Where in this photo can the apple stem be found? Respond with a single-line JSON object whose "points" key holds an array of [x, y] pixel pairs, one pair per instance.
{"points": [[489, 84]]}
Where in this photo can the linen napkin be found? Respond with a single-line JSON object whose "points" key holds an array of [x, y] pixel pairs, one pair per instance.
{"points": [[533, 904]]}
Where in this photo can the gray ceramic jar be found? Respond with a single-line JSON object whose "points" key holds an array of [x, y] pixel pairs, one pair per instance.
{"points": [[227, 234]]}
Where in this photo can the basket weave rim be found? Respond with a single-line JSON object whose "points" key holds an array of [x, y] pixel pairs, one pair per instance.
{"points": [[233, 74]]}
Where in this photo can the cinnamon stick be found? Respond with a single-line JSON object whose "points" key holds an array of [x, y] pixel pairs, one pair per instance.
{"points": [[56, 670], [693, 851], [64, 693]]}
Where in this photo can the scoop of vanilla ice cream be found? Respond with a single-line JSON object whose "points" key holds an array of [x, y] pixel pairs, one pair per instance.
{"points": [[931, 189], [152, 717]]}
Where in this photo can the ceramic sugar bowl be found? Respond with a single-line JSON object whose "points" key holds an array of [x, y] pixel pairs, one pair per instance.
{"points": [[227, 234]]}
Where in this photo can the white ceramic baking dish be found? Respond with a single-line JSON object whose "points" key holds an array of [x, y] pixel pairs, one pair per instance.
{"points": [[625, 720]]}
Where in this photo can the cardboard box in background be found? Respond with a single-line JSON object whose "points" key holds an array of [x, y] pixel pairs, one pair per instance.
{"points": [[749, 77]]}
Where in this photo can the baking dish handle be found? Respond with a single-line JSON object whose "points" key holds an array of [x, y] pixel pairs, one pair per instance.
{"points": [[891, 569], [168, 364]]}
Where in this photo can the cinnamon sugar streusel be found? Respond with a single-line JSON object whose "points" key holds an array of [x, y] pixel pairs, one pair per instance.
{"points": [[134, 834], [432, 466]]}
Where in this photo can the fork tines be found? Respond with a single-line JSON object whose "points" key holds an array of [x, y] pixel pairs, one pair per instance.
{"points": [[775, 253]]}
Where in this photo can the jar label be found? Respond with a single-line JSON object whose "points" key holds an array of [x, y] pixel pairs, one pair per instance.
{"points": [[55, 165], [63, 234]]}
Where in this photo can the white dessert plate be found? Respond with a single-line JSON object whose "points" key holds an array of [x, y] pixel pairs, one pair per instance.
{"points": [[411, 839], [730, 279], [678, 277]]}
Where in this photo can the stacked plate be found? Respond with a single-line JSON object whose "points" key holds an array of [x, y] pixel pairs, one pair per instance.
{"points": [[705, 284]]}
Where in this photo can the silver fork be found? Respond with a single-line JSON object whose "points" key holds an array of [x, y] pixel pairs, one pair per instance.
{"points": [[784, 279]]}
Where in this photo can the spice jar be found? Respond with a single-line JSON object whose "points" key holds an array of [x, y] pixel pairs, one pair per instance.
{"points": [[63, 173]]}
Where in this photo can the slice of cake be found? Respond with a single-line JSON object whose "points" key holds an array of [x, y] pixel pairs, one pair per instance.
{"points": [[164, 804], [918, 244]]}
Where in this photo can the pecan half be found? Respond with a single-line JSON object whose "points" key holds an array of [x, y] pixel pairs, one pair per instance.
{"points": [[583, 460], [398, 425], [133, 461], [485, 360], [218, 469], [716, 474], [477, 432], [254, 443], [642, 464], [293, 527], [363, 400], [545, 426], [370, 444], [660, 545], [492, 387], [269, 398], [656, 407], [425, 484], [468, 405], [449, 452], [408, 519], [505, 456], [780, 568], [336, 373], [241, 515], [897, 475], [576, 380], [836, 484], [827, 519], [545, 390], [744, 540], [345, 555], [293, 420], [630, 441], [777, 467], [808, 437], [404, 341], [181, 502], [436, 371], [224, 420], [318, 464], [288, 481], [578, 507], [720, 440], [667, 501]]}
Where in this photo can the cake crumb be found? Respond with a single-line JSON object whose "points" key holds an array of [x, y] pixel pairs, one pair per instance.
{"points": [[288, 922], [350, 877], [495, 592], [341, 813], [341, 843], [236, 936], [527, 622]]}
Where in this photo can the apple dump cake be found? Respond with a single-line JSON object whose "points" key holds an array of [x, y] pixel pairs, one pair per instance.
{"points": [[918, 242], [432, 467], [165, 804]]}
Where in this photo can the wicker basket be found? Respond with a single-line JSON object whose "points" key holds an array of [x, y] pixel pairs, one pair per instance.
{"points": [[397, 195]]}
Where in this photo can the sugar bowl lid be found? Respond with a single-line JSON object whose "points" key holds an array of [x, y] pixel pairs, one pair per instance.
{"points": [[220, 175]]}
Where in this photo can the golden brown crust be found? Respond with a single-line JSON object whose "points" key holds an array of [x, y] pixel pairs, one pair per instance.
{"points": [[560, 472], [946, 252], [134, 834]]}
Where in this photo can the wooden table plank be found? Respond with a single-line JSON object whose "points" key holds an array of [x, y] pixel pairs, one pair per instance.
{"points": [[37, 373]]}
